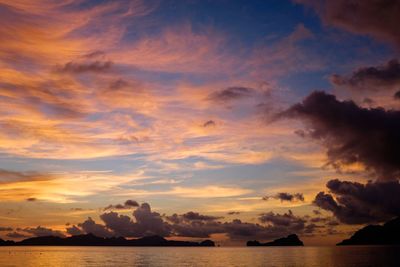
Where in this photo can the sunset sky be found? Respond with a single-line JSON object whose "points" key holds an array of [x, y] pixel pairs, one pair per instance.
{"points": [[222, 119]]}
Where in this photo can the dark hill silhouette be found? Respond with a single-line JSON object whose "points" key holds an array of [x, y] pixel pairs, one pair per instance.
{"points": [[290, 240], [6, 243], [386, 234], [92, 240]]}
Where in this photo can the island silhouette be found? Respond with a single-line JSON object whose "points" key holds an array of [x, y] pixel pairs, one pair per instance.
{"points": [[386, 234], [290, 240], [92, 240]]}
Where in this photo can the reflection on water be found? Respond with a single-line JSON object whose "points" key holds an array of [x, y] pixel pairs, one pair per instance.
{"points": [[235, 256]]}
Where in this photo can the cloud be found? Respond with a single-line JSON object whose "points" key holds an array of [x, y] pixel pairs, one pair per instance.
{"points": [[77, 67], [190, 217], [191, 224], [7, 176], [131, 203], [397, 95], [357, 203], [195, 216], [5, 229], [289, 220], [42, 231], [16, 235], [286, 56], [282, 196], [351, 134], [74, 230], [272, 226], [90, 226], [146, 222], [385, 77], [127, 205], [209, 123], [376, 18], [31, 199], [231, 93], [208, 191]]}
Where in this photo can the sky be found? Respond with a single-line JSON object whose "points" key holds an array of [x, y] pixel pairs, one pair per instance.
{"points": [[228, 119]]}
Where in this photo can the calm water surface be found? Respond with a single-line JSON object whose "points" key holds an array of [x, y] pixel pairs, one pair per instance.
{"points": [[228, 256]]}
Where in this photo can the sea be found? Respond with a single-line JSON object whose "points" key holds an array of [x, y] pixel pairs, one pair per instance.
{"points": [[354, 256]]}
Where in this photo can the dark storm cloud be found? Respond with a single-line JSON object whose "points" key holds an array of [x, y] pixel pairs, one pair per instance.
{"points": [[5, 229], [357, 203], [42, 231], [377, 18], [84, 67], [384, 76], [231, 93], [286, 197], [352, 134]]}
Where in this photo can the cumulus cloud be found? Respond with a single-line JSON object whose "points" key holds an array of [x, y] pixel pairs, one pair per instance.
{"points": [[289, 220], [74, 230], [351, 134], [192, 224], [90, 226], [271, 226], [356, 203], [376, 18], [282, 196], [146, 222]]}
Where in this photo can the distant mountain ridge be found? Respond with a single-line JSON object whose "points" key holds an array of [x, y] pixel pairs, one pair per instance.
{"points": [[92, 240], [290, 240], [386, 234]]}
